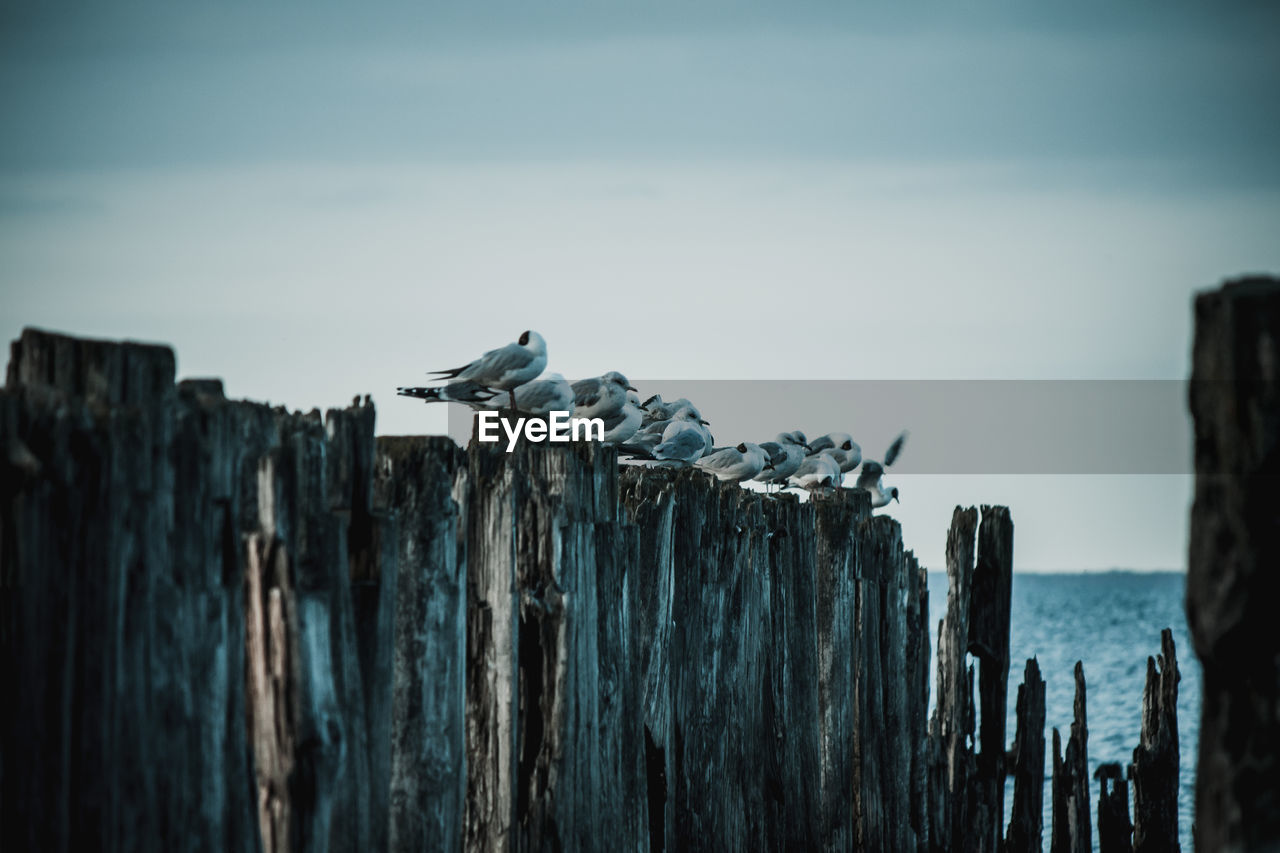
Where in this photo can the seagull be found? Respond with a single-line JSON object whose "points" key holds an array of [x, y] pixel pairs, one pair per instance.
{"points": [[871, 477], [776, 455], [683, 439], [541, 397], [600, 396], [734, 464], [848, 453], [623, 424], [505, 368], [822, 469], [657, 410], [783, 463]]}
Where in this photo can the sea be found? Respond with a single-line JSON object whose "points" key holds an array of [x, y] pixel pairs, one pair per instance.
{"points": [[1111, 622]]}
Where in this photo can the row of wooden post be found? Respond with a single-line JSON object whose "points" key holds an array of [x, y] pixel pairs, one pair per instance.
{"points": [[231, 626]]}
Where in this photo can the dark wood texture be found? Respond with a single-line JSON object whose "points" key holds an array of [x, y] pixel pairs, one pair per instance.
{"points": [[236, 627], [1072, 831], [1155, 761], [1233, 563], [1115, 832], [1027, 813]]}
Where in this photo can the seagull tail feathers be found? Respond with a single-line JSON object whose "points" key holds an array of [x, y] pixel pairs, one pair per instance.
{"points": [[429, 395]]}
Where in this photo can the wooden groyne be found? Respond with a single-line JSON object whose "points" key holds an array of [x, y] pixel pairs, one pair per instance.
{"points": [[235, 627]]}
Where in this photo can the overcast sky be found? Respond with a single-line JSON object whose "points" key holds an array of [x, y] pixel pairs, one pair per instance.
{"points": [[314, 202]]}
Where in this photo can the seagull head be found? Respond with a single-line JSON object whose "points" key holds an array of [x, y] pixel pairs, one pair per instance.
{"points": [[533, 342], [893, 493], [687, 413], [618, 379]]}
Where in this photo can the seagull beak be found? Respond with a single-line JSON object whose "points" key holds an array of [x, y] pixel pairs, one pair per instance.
{"points": [[895, 497], [629, 388], [704, 423], [807, 447]]}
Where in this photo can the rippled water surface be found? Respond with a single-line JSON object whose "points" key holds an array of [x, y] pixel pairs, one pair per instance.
{"points": [[1111, 621]]}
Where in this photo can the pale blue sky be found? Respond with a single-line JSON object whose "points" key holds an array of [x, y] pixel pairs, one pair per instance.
{"points": [[318, 202]]}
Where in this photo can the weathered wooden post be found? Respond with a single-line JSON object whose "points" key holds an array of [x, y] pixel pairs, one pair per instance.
{"points": [[917, 677], [648, 498], [967, 783], [839, 590], [989, 644], [121, 511], [422, 483], [1234, 556], [1027, 818], [1155, 761], [1071, 805], [953, 723], [1115, 832]]}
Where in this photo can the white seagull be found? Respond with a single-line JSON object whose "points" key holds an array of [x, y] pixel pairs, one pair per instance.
{"points": [[847, 451], [683, 439], [734, 464], [502, 369], [657, 410], [624, 423], [600, 396], [820, 470], [786, 459]]}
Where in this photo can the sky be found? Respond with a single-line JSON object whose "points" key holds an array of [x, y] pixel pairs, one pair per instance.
{"points": [[314, 201]]}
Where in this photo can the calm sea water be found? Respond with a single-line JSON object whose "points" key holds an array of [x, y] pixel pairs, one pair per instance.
{"points": [[1110, 621]]}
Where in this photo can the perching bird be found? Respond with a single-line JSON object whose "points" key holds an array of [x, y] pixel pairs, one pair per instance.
{"points": [[683, 440], [657, 410], [541, 397], [624, 423], [821, 470], [734, 464], [791, 452], [505, 368], [871, 477], [600, 396], [847, 451]]}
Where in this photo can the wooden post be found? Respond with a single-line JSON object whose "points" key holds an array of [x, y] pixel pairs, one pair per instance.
{"points": [[648, 498], [1155, 761], [246, 628], [833, 646], [1072, 831], [989, 644], [1233, 560], [952, 726], [422, 482], [1027, 818], [798, 811], [917, 711], [1115, 832]]}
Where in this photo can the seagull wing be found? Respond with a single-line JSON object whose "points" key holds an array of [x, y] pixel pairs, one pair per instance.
{"points": [[895, 448], [587, 393], [496, 363], [869, 476]]}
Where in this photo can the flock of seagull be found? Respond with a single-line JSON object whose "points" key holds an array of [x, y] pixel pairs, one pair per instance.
{"points": [[655, 432]]}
